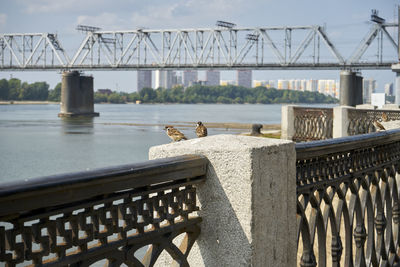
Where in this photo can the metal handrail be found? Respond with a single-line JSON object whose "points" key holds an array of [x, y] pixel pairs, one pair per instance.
{"points": [[350, 186], [102, 214]]}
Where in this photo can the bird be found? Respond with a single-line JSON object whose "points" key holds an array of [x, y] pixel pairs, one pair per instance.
{"points": [[385, 117], [201, 130], [174, 134], [379, 126]]}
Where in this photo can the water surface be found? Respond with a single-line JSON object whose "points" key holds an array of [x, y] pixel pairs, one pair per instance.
{"points": [[35, 142]]}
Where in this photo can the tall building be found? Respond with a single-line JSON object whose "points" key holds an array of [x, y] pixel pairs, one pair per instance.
{"points": [[189, 77], [257, 83], [328, 87], [227, 82], [369, 86], [213, 77], [143, 79], [244, 78], [164, 79], [303, 85], [389, 89], [283, 84], [271, 84], [312, 85]]}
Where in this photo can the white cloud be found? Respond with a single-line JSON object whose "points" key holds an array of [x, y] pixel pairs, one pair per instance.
{"points": [[106, 21], [162, 15], [3, 20], [49, 6], [183, 14]]}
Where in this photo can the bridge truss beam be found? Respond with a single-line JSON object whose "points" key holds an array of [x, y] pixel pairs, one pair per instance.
{"points": [[298, 47], [32, 50]]}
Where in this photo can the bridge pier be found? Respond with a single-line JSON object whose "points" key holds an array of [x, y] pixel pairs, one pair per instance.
{"points": [[76, 95], [350, 88], [396, 69]]}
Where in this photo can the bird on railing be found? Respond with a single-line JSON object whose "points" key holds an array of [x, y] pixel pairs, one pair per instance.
{"points": [[378, 126], [174, 134], [385, 117], [201, 130]]}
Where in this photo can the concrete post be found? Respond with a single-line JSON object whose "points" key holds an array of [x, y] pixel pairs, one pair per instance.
{"points": [[76, 95], [248, 202], [340, 121], [287, 122], [396, 68]]}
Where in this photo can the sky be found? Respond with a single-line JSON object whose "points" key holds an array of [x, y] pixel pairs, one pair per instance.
{"points": [[346, 21]]}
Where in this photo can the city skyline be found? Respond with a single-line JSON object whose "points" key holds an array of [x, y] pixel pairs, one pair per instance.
{"points": [[345, 26]]}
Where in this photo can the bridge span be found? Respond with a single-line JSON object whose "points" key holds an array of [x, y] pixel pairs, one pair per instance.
{"points": [[223, 47]]}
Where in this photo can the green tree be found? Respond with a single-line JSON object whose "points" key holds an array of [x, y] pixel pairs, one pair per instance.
{"points": [[55, 94], [4, 89], [14, 86], [100, 98], [35, 91], [115, 98], [148, 95]]}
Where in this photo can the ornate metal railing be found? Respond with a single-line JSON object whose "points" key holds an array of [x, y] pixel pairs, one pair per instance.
{"points": [[348, 209], [112, 214], [312, 124], [361, 121]]}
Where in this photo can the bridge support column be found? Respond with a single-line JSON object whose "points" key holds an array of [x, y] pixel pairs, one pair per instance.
{"points": [[76, 95], [396, 69], [350, 88]]}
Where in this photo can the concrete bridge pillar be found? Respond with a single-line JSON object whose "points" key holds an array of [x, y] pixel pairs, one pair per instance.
{"points": [[396, 69], [76, 95], [350, 88]]}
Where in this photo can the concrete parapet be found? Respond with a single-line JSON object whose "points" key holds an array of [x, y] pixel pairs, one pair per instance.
{"points": [[287, 122], [248, 202], [391, 106], [366, 106], [390, 125], [340, 121]]}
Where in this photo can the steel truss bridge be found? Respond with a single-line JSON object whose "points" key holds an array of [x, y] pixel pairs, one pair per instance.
{"points": [[298, 47]]}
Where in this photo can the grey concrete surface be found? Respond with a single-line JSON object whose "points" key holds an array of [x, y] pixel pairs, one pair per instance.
{"points": [[247, 202]]}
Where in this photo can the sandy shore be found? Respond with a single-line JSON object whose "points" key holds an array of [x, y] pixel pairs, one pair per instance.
{"points": [[29, 103], [221, 125]]}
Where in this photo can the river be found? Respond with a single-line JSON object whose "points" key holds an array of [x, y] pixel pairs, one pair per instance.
{"points": [[35, 142]]}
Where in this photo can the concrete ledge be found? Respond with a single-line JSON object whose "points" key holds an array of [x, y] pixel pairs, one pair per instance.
{"points": [[389, 125], [247, 202], [391, 106], [366, 106]]}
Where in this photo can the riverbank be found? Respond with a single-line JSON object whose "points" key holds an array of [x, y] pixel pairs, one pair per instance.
{"points": [[29, 103]]}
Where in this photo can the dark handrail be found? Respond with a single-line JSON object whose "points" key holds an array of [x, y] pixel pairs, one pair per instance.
{"points": [[109, 213], [60, 189], [322, 147]]}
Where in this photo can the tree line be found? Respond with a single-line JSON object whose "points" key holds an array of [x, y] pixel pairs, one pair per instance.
{"points": [[14, 89], [228, 94]]}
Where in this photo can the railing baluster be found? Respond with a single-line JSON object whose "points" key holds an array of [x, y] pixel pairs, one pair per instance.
{"points": [[103, 214], [359, 177]]}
